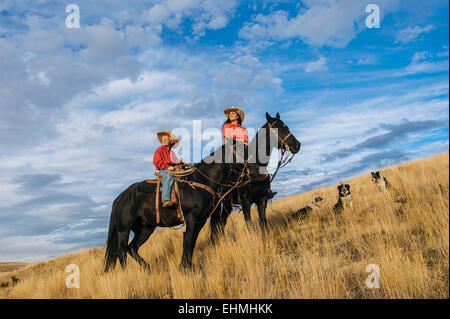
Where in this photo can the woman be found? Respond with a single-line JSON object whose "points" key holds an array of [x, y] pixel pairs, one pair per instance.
{"points": [[232, 129], [164, 160]]}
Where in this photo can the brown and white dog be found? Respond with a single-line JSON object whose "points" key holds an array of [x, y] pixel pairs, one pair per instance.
{"points": [[303, 213], [345, 200], [381, 181]]}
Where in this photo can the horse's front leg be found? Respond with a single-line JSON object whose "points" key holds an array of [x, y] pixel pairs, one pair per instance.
{"points": [[246, 206], [262, 206], [218, 221], [193, 226]]}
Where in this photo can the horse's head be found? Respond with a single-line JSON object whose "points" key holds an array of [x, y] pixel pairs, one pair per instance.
{"points": [[286, 140]]}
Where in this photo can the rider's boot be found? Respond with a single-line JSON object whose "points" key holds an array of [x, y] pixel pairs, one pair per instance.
{"points": [[167, 203]]}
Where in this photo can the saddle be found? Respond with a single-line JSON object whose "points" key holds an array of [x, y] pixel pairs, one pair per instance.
{"points": [[174, 195]]}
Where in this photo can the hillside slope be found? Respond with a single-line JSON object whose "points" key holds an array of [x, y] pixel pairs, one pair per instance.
{"points": [[323, 256], [7, 267]]}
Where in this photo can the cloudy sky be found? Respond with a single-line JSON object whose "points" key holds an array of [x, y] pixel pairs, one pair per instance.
{"points": [[79, 107]]}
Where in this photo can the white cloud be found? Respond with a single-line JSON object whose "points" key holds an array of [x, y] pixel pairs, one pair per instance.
{"points": [[317, 66], [420, 56], [443, 54], [205, 14], [410, 34], [425, 67], [333, 23], [218, 22], [421, 63]]}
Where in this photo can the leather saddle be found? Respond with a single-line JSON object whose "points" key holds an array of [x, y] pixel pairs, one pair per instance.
{"points": [[175, 196]]}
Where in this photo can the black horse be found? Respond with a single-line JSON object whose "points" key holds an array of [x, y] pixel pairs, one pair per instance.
{"points": [[256, 190], [197, 205]]}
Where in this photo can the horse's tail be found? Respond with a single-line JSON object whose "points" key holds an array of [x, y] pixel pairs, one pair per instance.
{"points": [[111, 244]]}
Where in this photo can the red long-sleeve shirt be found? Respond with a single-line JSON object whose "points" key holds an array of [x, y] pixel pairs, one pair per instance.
{"points": [[235, 132], [164, 157]]}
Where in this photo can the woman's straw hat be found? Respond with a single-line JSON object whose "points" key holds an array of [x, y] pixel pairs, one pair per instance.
{"points": [[173, 138], [237, 110]]}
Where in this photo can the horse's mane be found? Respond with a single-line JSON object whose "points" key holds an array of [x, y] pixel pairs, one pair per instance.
{"points": [[218, 153]]}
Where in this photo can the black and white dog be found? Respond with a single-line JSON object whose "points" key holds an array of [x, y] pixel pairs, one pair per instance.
{"points": [[380, 181], [303, 213], [383, 186], [345, 199]]}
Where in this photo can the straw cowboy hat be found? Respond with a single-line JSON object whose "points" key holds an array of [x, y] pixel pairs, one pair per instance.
{"points": [[172, 137], [237, 110]]}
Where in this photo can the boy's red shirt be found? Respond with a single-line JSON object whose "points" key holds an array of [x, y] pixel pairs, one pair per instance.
{"points": [[235, 132], [164, 157]]}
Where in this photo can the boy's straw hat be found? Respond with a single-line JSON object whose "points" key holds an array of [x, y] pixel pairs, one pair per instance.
{"points": [[173, 138]]}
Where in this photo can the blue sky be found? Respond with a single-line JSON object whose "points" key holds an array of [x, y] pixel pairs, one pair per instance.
{"points": [[80, 108]]}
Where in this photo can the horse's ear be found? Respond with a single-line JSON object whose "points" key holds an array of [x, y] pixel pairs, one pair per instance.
{"points": [[268, 117], [278, 116]]}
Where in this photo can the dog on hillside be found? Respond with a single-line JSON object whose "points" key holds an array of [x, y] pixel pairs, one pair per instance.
{"points": [[383, 186], [381, 181], [345, 200], [14, 280], [303, 213]]}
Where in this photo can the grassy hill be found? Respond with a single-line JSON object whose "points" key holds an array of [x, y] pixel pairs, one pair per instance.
{"points": [[7, 267], [323, 256]]}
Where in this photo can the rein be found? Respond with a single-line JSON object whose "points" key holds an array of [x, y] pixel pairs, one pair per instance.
{"points": [[239, 182], [236, 184]]}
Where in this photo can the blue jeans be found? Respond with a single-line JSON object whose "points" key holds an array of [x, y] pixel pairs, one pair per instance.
{"points": [[166, 184]]}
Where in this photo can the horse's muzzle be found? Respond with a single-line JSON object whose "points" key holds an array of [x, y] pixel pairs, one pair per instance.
{"points": [[295, 148]]}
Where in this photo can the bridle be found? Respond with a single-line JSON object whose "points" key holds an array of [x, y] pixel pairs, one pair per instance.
{"points": [[283, 145], [286, 155]]}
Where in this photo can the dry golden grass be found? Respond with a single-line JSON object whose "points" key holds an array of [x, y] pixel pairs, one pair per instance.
{"points": [[7, 267], [324, 256]]}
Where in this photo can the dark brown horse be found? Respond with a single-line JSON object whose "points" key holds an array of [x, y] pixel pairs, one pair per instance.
{"points": [[197, 205], [273, 133]]}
